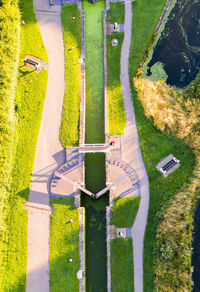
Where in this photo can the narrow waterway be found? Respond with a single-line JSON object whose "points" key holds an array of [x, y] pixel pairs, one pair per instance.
{"points": [[95, 210]]}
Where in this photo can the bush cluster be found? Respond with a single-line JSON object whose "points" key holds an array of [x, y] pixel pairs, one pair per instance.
{"points": [[9, 54]]}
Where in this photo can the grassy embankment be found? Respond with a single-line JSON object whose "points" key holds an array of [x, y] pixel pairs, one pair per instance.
{"points": [[116, 113], [9, 54], [69, 131], [64, 245], [64, 236], [155, 144], [123, 216], [30, 94], [177, 113]]}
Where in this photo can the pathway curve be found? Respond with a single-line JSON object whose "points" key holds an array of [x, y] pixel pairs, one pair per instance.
{"points": [[131, 153], [49, 152]]}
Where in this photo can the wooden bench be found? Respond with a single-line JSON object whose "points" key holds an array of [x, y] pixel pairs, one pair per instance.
{"points": [[31, 63]]}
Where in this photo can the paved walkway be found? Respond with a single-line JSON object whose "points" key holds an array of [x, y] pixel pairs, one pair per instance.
{"points": [[49, 152], [131, 153]]}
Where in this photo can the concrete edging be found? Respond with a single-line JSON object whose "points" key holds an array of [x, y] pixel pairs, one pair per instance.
{"points": [[108, 215], [82, 246], [82, 141], [106, 127], [105, 75]]}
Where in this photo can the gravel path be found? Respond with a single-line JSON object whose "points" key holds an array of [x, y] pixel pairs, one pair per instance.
{"points": [[49, 152], [131, 153]]}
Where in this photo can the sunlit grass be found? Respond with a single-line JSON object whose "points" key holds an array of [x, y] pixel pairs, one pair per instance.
{"points": [[124, 211], [69, 131], [116, 115], [64, 245], [31, 88]]}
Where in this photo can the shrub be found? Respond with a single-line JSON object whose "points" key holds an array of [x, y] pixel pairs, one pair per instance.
{"points": [[193, 91]]}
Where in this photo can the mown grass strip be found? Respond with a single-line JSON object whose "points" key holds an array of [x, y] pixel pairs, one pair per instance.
{"points": [[64, 245], [124, 211], [122, 265], [30, 94], [155, 144], [116, 112], [69, 132]]}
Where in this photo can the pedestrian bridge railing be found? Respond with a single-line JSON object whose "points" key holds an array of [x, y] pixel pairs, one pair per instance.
{"points": [[94, 148]]}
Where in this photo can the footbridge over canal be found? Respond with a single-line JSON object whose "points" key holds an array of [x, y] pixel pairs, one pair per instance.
{"points": [[95, 148]]}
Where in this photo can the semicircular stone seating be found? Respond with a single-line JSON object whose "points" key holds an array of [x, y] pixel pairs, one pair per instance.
{"points": [[129, 187], [73, 169]]}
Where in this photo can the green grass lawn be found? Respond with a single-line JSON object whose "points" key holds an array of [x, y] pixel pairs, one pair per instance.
{"points": [[124, 211], [31, 88], [116, 113], [64, 245], [69, 131], [122, 265], [155, 144]]}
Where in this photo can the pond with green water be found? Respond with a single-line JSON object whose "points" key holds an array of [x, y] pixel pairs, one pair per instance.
{"points": [[176, 56]]}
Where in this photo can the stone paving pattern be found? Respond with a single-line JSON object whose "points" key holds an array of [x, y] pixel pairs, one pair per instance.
{"points": [[73, 169]]}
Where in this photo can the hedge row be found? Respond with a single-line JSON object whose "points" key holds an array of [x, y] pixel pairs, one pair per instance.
{"points": [[9, 54]]}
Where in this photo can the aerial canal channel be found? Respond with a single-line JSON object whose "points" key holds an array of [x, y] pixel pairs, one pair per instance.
{"points": [[95, 210]]}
